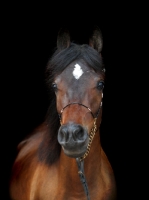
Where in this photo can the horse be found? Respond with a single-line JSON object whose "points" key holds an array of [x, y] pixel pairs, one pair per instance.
{"points": [[62, 158]]}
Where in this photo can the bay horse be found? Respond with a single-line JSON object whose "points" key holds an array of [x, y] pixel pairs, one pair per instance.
{"points": [[63, 158]]}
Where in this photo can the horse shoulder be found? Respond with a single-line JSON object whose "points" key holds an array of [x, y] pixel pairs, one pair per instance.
{"points": [[108, 178], [26, 165]]}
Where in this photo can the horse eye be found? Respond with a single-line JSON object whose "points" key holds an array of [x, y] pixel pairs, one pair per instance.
{"points": [[100, 85], [54, 86]]}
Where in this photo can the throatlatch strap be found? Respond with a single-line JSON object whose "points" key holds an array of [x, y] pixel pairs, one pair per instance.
{"points": [[80, 164]]}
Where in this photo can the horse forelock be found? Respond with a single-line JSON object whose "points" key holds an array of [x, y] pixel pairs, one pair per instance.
{"points": [[61, 59]]}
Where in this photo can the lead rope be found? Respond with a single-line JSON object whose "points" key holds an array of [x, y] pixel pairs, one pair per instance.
{"points": [[80, 161], [80, 164]]}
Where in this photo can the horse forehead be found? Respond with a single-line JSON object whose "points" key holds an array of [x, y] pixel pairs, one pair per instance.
{"points": [[78, 66], [77, 72]]}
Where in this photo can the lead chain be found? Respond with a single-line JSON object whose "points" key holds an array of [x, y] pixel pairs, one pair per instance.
{"points": [[91, 136]]}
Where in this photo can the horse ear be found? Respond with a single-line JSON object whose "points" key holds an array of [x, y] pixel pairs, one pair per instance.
{"points": [[96, 40], [63, 39]]}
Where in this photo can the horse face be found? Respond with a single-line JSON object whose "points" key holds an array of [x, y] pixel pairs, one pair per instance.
{"points": [[78, 92]]}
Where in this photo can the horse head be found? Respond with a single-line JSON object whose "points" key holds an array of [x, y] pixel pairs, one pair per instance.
{"points": [[79, 91]]}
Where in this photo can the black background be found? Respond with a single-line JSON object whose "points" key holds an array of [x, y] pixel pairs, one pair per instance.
{"points": [[28, 41]]}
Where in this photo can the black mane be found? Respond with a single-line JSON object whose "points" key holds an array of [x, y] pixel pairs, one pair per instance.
{"points": [[49, 149]]}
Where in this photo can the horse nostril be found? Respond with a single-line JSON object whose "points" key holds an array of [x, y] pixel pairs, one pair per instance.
{"points": [[64, 133], [78, 133]]}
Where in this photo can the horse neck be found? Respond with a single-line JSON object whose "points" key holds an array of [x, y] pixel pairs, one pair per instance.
{"points": [[68, 168]]}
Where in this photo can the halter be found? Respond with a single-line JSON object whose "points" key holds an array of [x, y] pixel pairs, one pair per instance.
{"points": [[80, 161], [93, 130], [61, 112]]}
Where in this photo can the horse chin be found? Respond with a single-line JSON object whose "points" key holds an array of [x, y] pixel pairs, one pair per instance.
{"points": [[74, 154]]}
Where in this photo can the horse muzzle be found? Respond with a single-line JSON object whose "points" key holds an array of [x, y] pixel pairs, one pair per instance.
{"points": [[74, 139]]}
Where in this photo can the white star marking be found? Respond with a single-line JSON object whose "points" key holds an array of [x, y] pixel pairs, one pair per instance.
{"points": [[77, 72]]}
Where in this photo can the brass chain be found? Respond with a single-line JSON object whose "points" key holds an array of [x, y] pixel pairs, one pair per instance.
{"points": [[91, 136]]}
